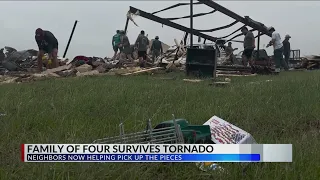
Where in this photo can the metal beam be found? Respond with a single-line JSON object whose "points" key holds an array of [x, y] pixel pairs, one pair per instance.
{"points": [[218, 28], [194, 15], [258, 55], [174, 6], [169, 23], [235, 16], [191, 23], [126, 27]]}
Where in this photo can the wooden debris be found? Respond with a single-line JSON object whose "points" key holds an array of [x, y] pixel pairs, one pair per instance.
{"points": [[67, 73], [10, 80], [84, 68], [221, 83], [227, 79], [234, 75], [101, 69], [193, 80], [61, 68], [178, 45], [170, 65], [143, 71], [89, 73], [45, 75], [233, 72]]}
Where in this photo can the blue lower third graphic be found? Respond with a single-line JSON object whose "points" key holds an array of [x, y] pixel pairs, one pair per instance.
{"points": [[143, 157]]}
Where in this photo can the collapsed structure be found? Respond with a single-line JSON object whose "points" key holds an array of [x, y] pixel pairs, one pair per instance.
{"points": [[182, 55], [262, 62]]}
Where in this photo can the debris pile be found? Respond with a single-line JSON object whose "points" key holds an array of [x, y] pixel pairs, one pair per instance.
{"points": [[174, 56], [310, 62], [21, 66]]}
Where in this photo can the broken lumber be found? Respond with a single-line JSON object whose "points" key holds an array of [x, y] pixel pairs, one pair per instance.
{"points": [[61, 68], [84, 68], [11, 80], [234, 75], [193, 80], [179, 46], [89, 73], [142, 71]]}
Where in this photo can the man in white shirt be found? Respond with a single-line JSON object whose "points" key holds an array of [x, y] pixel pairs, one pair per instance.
{"points": [[278, 50]]}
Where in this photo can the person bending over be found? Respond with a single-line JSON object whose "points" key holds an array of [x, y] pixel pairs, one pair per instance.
{"points": [[47, 43]]}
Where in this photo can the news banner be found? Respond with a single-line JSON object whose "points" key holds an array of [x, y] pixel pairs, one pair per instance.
{"points": [[156, 152]]}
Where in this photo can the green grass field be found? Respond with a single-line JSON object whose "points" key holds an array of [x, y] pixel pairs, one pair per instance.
{"points": [[80, 110]]}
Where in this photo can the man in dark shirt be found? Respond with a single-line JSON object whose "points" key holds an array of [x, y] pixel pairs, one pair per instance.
{"points": [[47, 43], [126, 50], [156, 48], [286, 48], [142, 44], [249, 45]]}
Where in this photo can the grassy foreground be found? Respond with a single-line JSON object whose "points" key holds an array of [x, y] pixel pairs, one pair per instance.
{"points": [[80, 110]]}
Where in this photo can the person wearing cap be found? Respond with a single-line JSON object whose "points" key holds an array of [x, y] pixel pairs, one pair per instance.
{"points": [[286, 48], [115, 43], [47, 43], [142, 44], [277, 50], [156, 48], [249, 45]]}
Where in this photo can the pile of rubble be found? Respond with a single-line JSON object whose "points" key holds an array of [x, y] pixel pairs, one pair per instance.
{"points": [[310, 62], [174, 56], [21, 66]]}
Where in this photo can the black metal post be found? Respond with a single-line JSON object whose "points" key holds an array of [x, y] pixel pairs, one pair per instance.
{"points": [[191, 23], [185, 39], [258, 48], [66, 50], [126, 27]]}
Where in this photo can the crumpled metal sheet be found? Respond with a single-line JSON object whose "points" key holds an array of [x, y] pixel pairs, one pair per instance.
{"points": [[10, 66], [18, 56], [130, 16]]}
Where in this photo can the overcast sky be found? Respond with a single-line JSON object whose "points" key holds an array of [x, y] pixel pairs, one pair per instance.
{"points": [[99, 20]]}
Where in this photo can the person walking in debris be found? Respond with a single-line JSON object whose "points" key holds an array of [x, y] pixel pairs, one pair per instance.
{"points": [[47, 43], [142, 44], [277, 49], [125, 45], [229, 53], [2, 55], [286, 48], [156, 48], [249, 45], [115, 43]]}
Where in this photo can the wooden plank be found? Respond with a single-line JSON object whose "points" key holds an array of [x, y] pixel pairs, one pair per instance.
{"points": [[61, 68], [192, 80], [10, 80], [142, 71], [89, 73], [234, 75], [221, 83]]}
